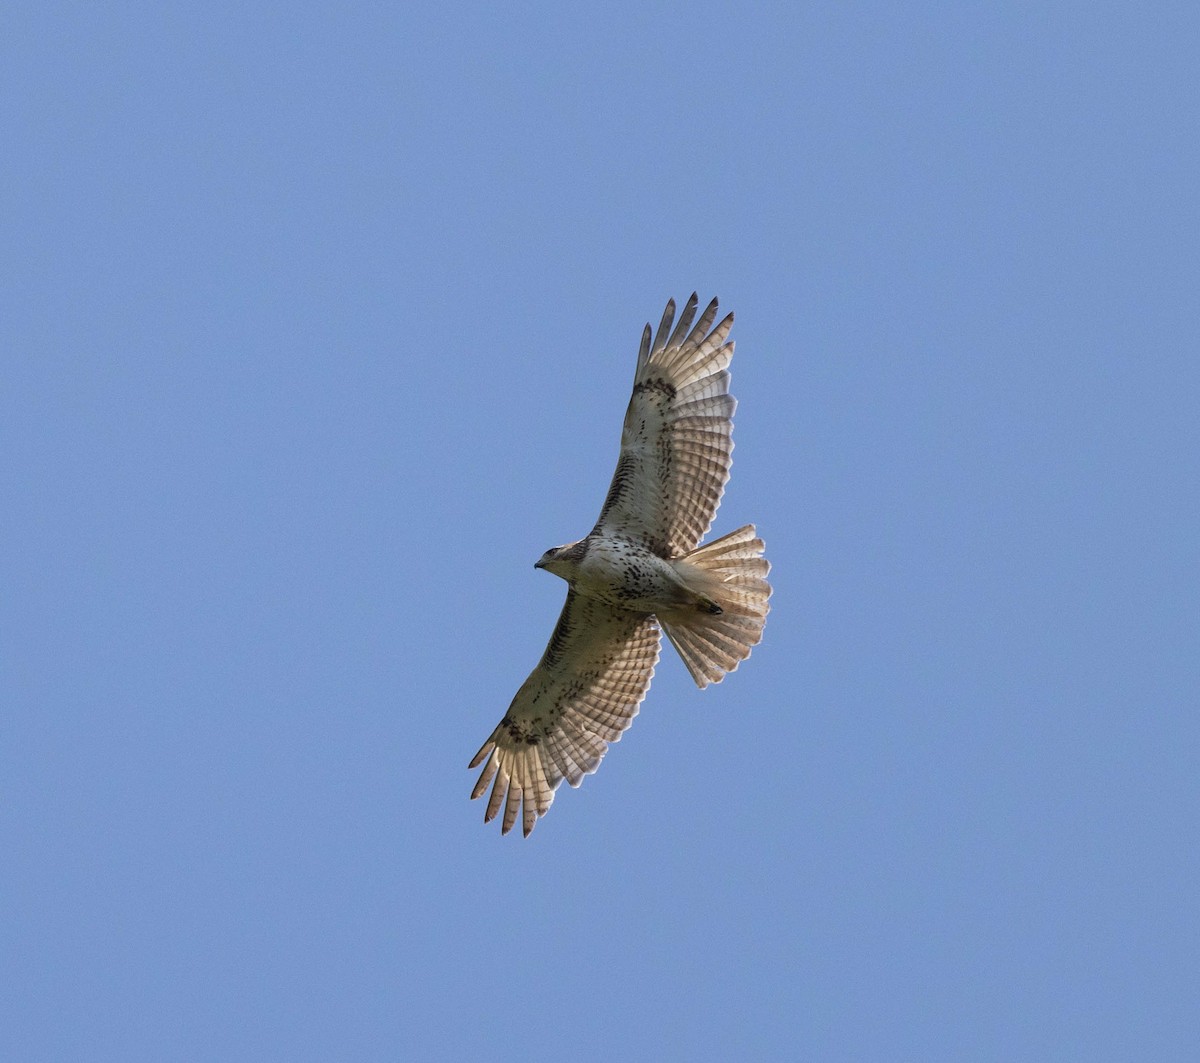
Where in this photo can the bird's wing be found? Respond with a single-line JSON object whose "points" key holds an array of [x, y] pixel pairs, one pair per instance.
{"points": [[678, 435], [583, 694]]}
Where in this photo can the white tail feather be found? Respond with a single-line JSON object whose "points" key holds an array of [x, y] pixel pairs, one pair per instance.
{"points": [[730, 571]]}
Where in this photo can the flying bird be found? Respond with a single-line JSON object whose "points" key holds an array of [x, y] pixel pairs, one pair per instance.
{"points": [[640, 571]]}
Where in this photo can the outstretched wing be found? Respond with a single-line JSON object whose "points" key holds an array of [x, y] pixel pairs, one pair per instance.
{"points": [[677, 439], [583, 694]]}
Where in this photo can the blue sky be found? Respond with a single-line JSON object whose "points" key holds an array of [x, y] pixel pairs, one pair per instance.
{"points": [[318, 327]]}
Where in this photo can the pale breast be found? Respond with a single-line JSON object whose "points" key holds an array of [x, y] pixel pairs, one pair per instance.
{"points": [[628, 575]]}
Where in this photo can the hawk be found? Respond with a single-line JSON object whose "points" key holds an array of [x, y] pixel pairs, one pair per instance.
{"points": [[640, 571]]}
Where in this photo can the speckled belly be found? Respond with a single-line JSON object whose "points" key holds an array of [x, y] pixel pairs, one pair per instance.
{"points": [[628, 575]]}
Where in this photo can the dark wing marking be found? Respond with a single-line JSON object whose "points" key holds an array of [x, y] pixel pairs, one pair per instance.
{"points": [[583, 694], [678, 435]]}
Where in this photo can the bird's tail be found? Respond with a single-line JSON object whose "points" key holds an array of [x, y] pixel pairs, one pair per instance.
{"points": [[732, 573]]}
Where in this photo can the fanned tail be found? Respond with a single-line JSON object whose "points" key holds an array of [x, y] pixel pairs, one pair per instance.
{"points": [[732, 572]]}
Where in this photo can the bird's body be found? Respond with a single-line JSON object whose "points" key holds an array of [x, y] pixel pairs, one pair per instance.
{"points": [[639, 571], [623, 573]]}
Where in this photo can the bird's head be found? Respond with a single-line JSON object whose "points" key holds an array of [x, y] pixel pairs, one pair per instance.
{"points": [[561, 560]]}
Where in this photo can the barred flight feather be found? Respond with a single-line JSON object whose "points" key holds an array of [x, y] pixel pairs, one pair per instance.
{"points": [[656, 496], [574, 703]]}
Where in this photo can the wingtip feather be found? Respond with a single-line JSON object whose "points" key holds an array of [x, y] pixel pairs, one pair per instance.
{"points": [[485, 777], [484, 750]]}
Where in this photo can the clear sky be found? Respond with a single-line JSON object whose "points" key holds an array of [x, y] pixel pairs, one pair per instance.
{"points": [[318, 326]]}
